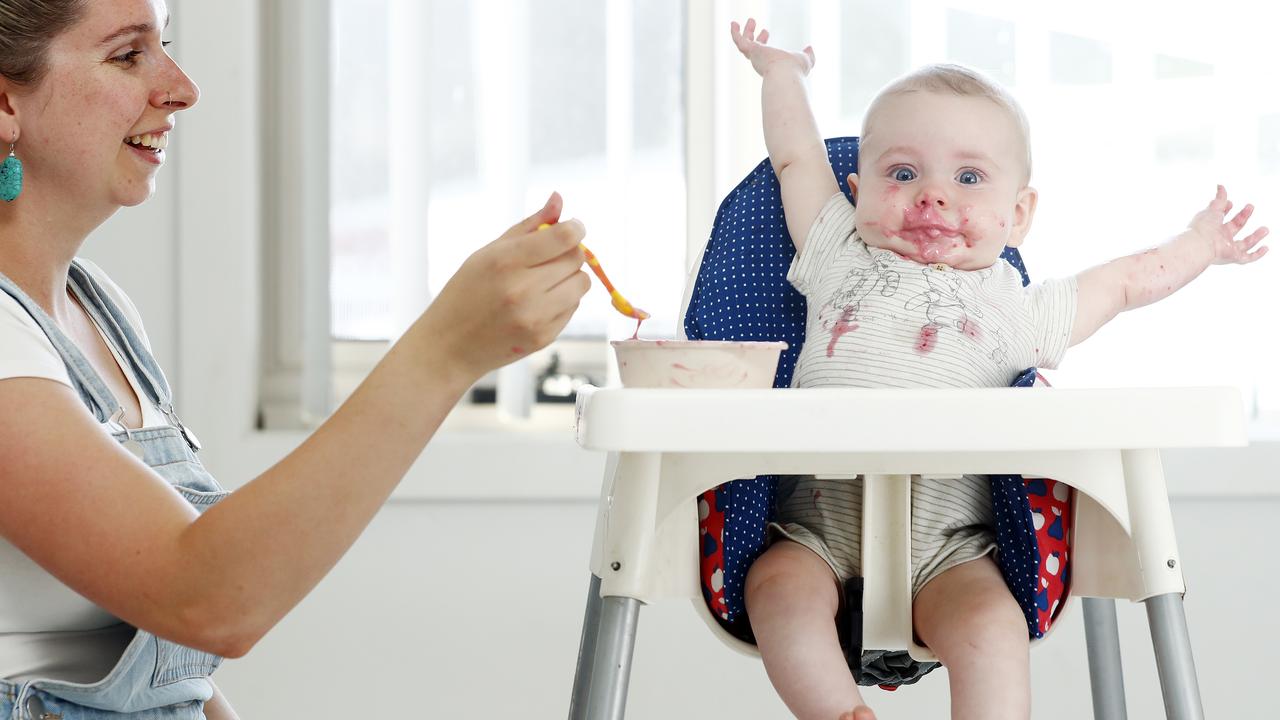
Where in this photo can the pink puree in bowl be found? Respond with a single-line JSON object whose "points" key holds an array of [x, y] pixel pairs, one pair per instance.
{"points": [[697, 363]]}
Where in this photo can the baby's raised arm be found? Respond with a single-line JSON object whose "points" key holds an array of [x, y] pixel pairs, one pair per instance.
{"points": [[796, 149], [1136, 280]]}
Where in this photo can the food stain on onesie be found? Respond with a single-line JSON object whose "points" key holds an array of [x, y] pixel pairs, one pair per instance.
{"points": [[843, 326], [927, 340]]}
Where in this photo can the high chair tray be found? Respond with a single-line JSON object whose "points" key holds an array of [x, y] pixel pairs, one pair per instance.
{"points": [[852, 420]]}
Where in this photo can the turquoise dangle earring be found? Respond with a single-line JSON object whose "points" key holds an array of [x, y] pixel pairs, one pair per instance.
{"points": [[11, 174]]}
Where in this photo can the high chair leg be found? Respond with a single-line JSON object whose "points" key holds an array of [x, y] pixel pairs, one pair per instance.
{"points": [[586, 652], [611, 671], [1174, 662], [1106, 676]]}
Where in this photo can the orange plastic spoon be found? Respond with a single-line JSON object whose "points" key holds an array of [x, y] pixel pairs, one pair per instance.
{"points": [[619, 303]]}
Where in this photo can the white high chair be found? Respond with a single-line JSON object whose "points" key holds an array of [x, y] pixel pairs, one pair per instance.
{"points": [[665, 447]]}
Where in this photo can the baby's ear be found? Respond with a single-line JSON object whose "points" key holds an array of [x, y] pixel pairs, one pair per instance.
{"points": [[853, 186], [1024, 211]]}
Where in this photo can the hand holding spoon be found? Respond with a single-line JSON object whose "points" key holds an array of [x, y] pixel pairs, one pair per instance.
{"points": [[619, 303]]}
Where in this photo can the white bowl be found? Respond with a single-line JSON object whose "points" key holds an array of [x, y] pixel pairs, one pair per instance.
{"points": [[697, 363]]}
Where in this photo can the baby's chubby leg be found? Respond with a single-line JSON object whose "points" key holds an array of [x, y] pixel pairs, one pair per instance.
{"points": [[792, 601], [968, 618]]}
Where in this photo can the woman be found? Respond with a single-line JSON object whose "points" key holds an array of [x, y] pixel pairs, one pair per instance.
{"points": [[126, 573]]}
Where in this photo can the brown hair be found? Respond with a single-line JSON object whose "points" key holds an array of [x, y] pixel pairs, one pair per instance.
{"points": [[956, 80], [27, 28]]}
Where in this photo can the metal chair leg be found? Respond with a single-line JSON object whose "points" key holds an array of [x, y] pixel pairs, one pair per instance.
{"points": [[586, 652], [1174, 662], [1106, 675], [611, 671]]}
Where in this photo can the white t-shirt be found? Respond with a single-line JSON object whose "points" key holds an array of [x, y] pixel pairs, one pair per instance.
{"points": [[877, 319], [28, 352], [46, 628]]}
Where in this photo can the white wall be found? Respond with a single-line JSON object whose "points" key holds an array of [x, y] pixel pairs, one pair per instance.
{"points": [[464, 597], [138, 249], [417, 623]]}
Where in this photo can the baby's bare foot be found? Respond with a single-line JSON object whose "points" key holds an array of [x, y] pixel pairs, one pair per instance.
{"points": [[862, 712]]}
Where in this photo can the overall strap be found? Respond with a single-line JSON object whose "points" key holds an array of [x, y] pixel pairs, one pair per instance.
{"points": [[93, 391], [120, 334], [128, 343]]}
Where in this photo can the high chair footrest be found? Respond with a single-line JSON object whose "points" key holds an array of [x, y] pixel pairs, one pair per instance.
{"points": [[887, 668]]}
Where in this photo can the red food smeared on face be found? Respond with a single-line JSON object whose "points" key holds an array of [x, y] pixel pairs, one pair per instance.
{"points": [[932, 236], [965, 219]]}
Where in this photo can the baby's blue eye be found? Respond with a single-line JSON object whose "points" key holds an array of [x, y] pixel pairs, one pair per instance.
{"points": [[968, 177], [903, 174]]}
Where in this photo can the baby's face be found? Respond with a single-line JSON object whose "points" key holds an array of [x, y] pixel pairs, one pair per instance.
{"points": [[942, 180]]}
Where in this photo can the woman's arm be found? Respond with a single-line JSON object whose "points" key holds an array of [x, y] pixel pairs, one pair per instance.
{"points": [[218, 708], [111, 529]]}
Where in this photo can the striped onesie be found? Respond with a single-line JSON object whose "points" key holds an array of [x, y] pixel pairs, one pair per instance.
{"points": [[878, 320]]}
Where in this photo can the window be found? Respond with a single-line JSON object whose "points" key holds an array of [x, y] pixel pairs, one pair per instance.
{"points": [[450, 119]]}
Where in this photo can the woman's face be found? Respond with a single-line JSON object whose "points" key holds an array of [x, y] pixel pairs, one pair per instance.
{"points": [[94, 129]]}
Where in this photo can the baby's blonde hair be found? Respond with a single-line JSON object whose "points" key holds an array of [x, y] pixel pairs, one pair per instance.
{"points": [[957, 80]]}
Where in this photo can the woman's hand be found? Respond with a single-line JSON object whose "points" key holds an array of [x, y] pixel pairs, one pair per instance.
{"points": [[1212, 228], [762, 56], [512, 296]]}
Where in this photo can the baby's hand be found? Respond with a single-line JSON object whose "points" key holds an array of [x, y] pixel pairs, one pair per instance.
{"points": [[1211, 226], [761, 55]]}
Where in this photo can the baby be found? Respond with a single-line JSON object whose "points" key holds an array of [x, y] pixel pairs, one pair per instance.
{"points": [[907, 289]]}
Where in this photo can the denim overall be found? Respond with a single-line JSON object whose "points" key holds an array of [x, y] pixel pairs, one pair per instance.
{"points": [[154, 678]]}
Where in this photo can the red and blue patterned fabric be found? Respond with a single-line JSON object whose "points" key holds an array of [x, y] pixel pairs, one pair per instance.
{"points": [[741, 293], [1033, 519]]}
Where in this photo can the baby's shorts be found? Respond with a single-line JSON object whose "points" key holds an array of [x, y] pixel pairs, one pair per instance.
{"points": [[951, 523]]}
